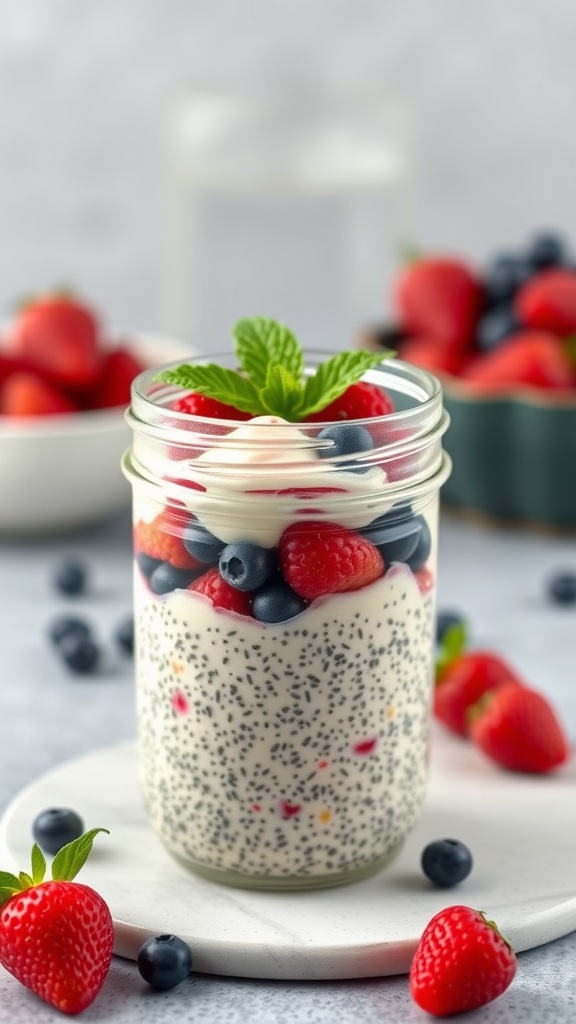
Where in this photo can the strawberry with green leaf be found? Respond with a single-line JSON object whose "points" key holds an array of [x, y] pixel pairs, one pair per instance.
{"points": [[56, 935], [272, 381]]}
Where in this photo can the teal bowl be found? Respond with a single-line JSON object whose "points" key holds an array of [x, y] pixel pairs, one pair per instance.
{"points": [[513, 456]]}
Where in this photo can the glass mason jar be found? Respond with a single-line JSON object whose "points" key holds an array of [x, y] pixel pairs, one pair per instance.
{"points": [[284, 588]]}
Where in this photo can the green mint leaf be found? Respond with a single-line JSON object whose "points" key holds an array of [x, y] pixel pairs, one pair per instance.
{"points": [[334, 376], [73, 856], [282, 393], [216, 382], [9, 881], [454, 642], [38, 864], [260, 342]]}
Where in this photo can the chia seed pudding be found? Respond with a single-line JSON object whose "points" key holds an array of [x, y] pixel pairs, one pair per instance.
{"points": [[284, 618]]}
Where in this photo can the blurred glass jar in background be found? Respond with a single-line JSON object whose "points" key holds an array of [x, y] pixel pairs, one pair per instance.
{"points": [[288, 203]]}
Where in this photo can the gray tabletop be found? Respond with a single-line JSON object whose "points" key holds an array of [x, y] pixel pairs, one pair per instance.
{"points": [[497, 578]]}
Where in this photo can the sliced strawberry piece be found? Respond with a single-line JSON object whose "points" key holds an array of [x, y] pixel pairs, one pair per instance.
{"points": [[548, 302], [112, 387], [162, 538], [439, 298], [518, 729], [529, 357], [26, 394], [58, 336]]}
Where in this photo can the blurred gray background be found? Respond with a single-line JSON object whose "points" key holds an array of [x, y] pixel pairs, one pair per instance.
{"points": [[86, 90]]}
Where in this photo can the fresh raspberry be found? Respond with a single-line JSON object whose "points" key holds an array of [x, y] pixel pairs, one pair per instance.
{"points": [[323, 558], [221, 594], [200, 405], [518, 729], [359, 401], [462, 962], [162, 538], [439, 298]]}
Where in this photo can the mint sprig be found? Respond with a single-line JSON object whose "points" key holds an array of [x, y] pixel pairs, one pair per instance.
{"points": [[271, 376]]}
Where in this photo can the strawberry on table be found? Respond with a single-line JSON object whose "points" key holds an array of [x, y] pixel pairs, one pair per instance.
{"points": [[59, 337], [25, 393], [464, 681], [518, 729], [439, 298], [56, 936], [531, 357], [548, 302], [461, 963], [320, 558]]}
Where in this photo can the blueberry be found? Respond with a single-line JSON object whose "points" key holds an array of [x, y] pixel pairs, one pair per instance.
{"points": [[80, 654], [562, 588], [446, 620], [147, 564], [167, 577], [68, 625], [346, 440], [54, 828], [504, 276], [496, 325], [446, 862], [70, 578], [202, 544], [423, 547], [276, 602], [246, 566], [547, 249], [164, 961], [395, 534], [125, 635]]}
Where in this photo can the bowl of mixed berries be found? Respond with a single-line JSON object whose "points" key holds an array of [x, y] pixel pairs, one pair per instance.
{"points": [[502, 340], [64, 387]]}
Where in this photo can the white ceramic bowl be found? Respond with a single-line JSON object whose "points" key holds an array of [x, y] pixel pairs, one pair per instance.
{"points": [[62, 472]]}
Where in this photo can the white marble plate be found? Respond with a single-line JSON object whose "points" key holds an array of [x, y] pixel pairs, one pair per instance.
{"points": [[519, 829]]}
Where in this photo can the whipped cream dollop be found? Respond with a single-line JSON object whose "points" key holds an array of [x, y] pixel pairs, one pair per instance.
{"points": [[267, 474]]}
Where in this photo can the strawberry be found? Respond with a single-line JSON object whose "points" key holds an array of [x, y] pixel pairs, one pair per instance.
{"points": [[319, 558], [359, 401], [518, 728], [461, 962], [58, 336], [463, 681], [441, 299], [162, 538], [221, 594], [112, 387], [429, 355], [56, 936], [25, 393], [548, 302], [529, 357], [201, 405]]}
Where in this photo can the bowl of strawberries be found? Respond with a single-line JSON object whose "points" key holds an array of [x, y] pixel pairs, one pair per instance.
{"points": [[64, 387], [503, 342]]}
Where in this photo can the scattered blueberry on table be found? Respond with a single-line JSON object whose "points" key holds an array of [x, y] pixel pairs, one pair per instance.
{"points": [[562, 588], [446, 862], [164, 961], [55, 827], [70, 577]]}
